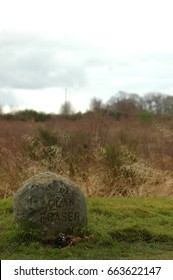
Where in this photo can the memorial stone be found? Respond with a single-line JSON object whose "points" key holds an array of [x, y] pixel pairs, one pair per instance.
{"points": [[50, 204]]}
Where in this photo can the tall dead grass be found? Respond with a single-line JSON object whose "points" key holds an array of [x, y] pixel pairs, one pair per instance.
{"points": [[104, 156]]}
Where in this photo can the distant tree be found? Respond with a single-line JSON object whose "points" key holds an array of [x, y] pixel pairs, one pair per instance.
{"points": [[158, 103], [66, 109], [126, 103], [168, 105], [30, 114], [153, 102], [96, 104]]}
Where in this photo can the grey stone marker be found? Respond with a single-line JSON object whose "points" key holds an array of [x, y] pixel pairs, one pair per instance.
{"points": [[50, 203]]}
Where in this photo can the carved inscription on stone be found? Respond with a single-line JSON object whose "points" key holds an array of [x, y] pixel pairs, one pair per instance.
{"points": [[64, 217], [60, 202], [60, 207], [50, 203]]}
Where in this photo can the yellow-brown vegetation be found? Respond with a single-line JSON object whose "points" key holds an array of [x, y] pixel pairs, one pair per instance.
{"points": [[105, 156]]}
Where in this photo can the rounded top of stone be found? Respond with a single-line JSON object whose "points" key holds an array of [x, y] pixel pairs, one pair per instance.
{"points": [[47, 180], [45, 177]]}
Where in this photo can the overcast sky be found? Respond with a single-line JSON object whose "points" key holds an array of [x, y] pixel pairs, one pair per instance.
{"points": [[94, 48]]}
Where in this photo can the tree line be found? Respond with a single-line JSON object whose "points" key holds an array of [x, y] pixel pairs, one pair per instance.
{"points": [[132, 103], [122, 104]]}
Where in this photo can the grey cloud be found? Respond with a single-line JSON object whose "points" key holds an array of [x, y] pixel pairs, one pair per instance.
{"points": [[33, 63]]}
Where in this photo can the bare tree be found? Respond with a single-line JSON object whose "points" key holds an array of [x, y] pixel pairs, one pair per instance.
{"points": [[128, 103], [66, 109], [96, 104]]}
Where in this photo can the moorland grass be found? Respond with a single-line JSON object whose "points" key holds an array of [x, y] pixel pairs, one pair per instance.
{"points": [[118, 228], [98, 152]]}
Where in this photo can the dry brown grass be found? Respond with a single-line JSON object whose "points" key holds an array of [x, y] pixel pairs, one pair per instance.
{"points": [[104, 156]]}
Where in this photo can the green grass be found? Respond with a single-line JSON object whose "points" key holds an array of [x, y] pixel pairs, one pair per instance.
{"points": [[118, 228]]}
